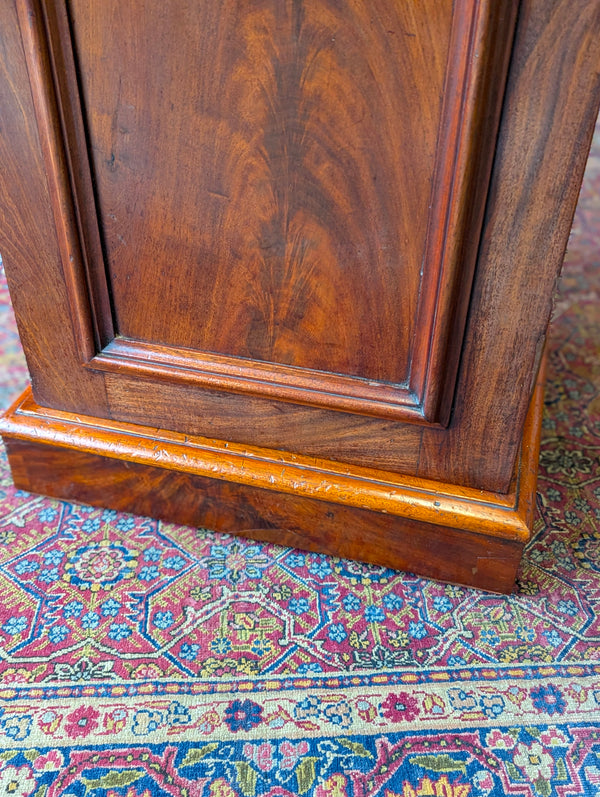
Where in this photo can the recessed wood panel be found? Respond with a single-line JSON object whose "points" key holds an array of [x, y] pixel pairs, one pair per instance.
{"points": [[264, 172], [231, 232]]}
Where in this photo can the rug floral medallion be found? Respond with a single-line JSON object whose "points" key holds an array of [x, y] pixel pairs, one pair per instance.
{"points": [[139, 658]]}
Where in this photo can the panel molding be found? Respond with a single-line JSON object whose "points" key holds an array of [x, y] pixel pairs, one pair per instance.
{"points": [[47, 104], [460, 180], [470, 119], [268, 380]]}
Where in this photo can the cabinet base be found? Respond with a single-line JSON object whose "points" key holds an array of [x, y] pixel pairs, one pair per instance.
{"points": [[437, 530]]}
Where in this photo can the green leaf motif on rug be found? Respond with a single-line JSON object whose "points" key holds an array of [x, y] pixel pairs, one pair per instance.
{"points": [[197, 754], [533, 731], [561, 770], [356, 748], [247, 778], [41, 792], [31, 755], [305, 774], [543, 787], [6, 755], [439, 763], [513, 772], [112, 779]]}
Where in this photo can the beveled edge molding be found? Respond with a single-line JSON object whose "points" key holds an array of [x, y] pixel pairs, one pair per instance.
{"points": [[440, 504], [261, 379], [49, 119], [478, 60]]}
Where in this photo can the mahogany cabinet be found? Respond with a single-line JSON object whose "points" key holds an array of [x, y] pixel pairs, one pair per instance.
{"points": [[284, 268]]}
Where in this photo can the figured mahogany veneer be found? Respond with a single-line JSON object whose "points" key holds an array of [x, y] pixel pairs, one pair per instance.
{"points": [[322, 233], [287, 204]]}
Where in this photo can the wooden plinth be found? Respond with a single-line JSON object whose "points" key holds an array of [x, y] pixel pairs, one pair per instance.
{"points": [[438, 530]]}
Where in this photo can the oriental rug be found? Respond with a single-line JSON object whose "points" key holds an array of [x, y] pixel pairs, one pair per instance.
{"points": [[138, 658]]}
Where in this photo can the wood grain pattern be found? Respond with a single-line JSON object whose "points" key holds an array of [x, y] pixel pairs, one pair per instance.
{"points": [[29, 241], [294, 233], [439, 530], [166, 364], [431, 502], [339, 436], [463, 162], [473, 100], [57, 172], [334, 174]]}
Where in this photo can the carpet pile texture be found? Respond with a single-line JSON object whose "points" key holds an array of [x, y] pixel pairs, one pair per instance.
{"points": [[139, 658]]}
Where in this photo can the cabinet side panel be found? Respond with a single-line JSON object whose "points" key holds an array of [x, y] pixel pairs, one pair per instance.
{"points": [[550, 107], [549, 113], [190, 264]]}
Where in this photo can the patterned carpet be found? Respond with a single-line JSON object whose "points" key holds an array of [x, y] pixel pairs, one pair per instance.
{"points": [[138, 658]]}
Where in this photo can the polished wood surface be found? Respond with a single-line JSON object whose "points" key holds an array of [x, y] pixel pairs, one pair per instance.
{"points": [[550, 110], [486, 562], [263, 177], [293, 200], [337, 200]]}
